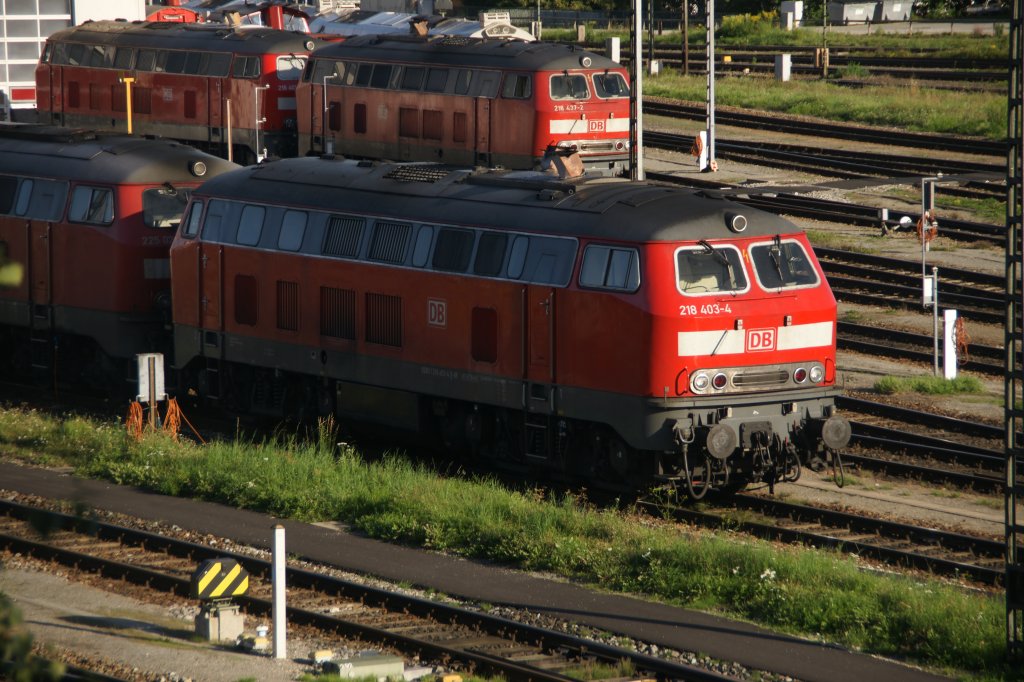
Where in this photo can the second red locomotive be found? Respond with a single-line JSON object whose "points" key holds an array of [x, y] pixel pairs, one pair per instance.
{"points": [[468, 101], [625, 331]]}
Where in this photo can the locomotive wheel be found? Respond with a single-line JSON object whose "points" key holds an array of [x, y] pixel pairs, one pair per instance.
{"points": [[619, 458]]}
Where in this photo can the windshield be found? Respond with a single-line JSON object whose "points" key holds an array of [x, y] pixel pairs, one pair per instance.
{"points": [[782, 264], [707, 269], [163, 207], [610, 85], [569, 86], [289, 68]]}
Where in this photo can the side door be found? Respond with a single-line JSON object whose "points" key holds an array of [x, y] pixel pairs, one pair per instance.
{"points": [[56, 95], [211, 285], [40, 261], [215, 109], [482, 132], [539, 346]]}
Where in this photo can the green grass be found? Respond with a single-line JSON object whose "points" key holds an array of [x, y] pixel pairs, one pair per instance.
{"points": [[910, 107], [820, 594], [929, 384], [831, 240], [739, 31]]}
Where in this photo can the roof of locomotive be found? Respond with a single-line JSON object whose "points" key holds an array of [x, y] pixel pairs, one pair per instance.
{"points": [[480, 52], [75, 154], [606, 208], [187, 36]]}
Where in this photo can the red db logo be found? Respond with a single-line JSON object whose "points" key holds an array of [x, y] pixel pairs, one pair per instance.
{"points": [[760, 339], [437, 313], [596, 125]]}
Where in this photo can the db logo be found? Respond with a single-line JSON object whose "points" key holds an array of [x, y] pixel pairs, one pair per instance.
{"points": [[596, 126], [760, 339], [437, 313]]}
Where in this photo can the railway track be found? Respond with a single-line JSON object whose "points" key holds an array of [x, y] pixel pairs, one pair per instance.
{"points": [[776, 200], [837, 163], [726, 116], [893, 343], [462, 639], [941, 552], [751, 59]]}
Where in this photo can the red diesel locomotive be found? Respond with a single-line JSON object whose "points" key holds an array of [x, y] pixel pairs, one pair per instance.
{"points": [[466, 101], [90, 218], [228, 90], [625, 331]]}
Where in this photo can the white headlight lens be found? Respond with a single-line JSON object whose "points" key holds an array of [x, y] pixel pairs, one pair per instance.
{"points": [[701, 382], [817, 373]]}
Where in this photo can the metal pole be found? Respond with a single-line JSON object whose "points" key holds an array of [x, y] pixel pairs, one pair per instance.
{"points": [[231, 152], [686, 37], [650, 34], [128, 100], [279, 609], [935, 318], [636, 121], [710, 21]]}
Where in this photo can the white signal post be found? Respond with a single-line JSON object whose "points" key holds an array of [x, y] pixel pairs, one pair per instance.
{"points": [[636, 70], [279, 611], [709, 20]]}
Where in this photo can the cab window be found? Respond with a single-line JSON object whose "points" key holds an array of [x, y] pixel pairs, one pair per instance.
{"points": [[610, 85], [163, 207], [707, 269], [782, 264], [92, 205], [569, 87], [605, 267]]}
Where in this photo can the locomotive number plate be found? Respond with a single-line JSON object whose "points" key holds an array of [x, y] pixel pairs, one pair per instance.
{"points": [[760, 339]]}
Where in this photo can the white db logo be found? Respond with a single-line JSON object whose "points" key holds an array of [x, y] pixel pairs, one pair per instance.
{"points": [[760, 339], [437, 313]]}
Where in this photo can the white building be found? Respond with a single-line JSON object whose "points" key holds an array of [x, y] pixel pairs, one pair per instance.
{"points": [[24, 27]]}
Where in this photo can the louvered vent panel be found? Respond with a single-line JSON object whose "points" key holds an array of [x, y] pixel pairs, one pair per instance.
{"points": [[384, 319], [338, 313]]}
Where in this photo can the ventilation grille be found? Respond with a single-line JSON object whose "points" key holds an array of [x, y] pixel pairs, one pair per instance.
{"points": [[288, 306], [338, 313], [427, 172], [343, 235], [384, 320], [389, 242]]}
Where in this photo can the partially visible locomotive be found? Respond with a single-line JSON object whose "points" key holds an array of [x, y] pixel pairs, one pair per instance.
{"points": [[90, 218], [467, 101], [227, 90], [624, 331]]}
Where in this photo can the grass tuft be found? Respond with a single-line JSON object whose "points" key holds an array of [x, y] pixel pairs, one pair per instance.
{"points": [[929, 384]]}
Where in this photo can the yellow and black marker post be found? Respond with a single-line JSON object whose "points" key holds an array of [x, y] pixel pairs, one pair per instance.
{"points": [[215, 583]]}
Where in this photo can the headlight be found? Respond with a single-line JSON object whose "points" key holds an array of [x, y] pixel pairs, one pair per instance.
{"points": [[817, 374], [700, 382]]}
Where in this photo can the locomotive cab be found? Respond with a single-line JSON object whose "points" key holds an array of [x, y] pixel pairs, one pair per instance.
{"points": [[753, 365]]}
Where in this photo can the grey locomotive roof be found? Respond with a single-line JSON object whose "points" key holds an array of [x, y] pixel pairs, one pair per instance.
{"points": [[526, 201], [479, 52], [186, 36], [71, 154]]}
